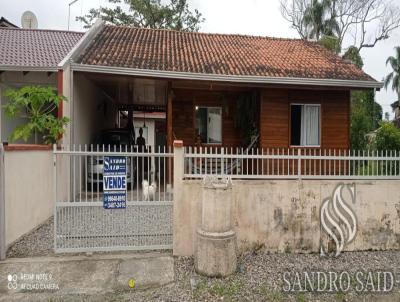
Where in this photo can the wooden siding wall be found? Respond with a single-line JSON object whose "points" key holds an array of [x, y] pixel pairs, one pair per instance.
{"points": [[183, 114], [275, 116]]}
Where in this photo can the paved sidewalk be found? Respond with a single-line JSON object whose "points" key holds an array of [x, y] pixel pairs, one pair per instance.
{"points": [[83, 275]]}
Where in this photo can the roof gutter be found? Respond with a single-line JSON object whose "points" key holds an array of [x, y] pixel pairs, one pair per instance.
{"points": [[226, 78], [28, 68], [82, 44]]}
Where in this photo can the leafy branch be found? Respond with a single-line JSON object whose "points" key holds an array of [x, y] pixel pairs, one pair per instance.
{"points": [[37, 104], [174, 15]]}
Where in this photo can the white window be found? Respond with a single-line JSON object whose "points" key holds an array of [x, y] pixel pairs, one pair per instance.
{"points": [[209, 125], [305, 125]]}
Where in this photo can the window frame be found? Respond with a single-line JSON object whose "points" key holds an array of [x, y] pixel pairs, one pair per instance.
{"points": [[198, 106], [290, 125]]}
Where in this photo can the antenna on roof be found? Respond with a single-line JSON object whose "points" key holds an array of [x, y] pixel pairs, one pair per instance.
{"points": [[29, 20]]}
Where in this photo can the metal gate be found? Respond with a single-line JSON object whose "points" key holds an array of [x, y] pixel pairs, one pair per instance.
{"points": [[82, 224]]}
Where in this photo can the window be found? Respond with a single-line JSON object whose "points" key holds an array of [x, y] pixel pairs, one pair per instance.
{"points": [[305, 125], [209, 125]]}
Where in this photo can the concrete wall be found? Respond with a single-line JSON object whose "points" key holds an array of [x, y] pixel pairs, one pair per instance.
{"points": [[283, 215], [14, 79], [28, 191], [88, 115]]}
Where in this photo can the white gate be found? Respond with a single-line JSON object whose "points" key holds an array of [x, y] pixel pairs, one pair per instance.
{"points": [[82, 224]]}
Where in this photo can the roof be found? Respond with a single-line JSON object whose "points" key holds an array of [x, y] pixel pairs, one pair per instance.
{"points": [[35, 48], [216, 54], [5, 23]]}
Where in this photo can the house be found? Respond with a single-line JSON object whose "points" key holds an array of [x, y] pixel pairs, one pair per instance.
{"points": [[30, 57], [208, 91], [300, 91], [5, 23]]}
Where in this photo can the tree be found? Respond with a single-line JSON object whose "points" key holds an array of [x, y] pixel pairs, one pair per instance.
{"points": [[360, 125], [366, 115], [388, 137], [353, 54], [331, 43], [366, 22], [36, 104], [147, 13], [318, 19], [394, 77], [361, 22]]}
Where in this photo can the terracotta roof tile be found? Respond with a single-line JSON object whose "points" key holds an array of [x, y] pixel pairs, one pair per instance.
{"points": [[221, 54], [35, 47]]}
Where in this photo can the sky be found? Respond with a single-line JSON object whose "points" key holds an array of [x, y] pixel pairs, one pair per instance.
{"points": [[251, 17]]}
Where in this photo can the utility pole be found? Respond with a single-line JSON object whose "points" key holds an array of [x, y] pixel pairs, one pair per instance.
{"points": [[69, 10]]}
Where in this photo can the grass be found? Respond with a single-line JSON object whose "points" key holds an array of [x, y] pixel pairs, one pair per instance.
{"points": [[300, 297], [269, 295], [200, 288], [226, 291], [340, 296]]}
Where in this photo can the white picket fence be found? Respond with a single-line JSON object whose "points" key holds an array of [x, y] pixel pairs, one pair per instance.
{"points": [[291, 163]]}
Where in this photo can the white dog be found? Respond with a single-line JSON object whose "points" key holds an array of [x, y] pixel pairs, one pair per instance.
{"points": [[149, 191]]}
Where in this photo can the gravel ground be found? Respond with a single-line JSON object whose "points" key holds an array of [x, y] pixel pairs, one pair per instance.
{"points": [[258, 278], [36, 243]]}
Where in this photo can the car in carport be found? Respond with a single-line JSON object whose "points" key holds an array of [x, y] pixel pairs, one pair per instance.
{"points": [[110, 140]]}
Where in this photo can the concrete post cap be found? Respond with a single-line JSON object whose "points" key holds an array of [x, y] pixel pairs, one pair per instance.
{"points": [[178, 143], [215, 182]]}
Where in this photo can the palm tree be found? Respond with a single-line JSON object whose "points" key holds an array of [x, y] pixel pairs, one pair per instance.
{"points": [[319, 19], [394, 76]]}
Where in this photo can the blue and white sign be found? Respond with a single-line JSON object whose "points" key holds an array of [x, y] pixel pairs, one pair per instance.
{"points": [[114, 182]]}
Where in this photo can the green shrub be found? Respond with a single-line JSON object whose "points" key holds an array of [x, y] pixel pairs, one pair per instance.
{"points": [[36, 104], [388, 137]]}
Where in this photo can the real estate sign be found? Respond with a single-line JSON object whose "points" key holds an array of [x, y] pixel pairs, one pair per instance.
{"points": [[114, 182]]}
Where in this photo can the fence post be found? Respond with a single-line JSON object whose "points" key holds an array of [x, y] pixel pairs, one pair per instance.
{"points": [[222, 162], [181, 214], [3, 241], [299, 163], [55, 197]]}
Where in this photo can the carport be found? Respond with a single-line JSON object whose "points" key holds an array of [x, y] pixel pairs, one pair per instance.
{"points": [[102, 101]]}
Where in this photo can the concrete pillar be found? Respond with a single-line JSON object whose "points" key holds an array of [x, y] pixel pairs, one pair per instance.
{"points": [[215, 254], [181, 219]]}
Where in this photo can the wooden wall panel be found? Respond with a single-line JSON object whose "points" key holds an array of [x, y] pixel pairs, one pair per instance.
{"points": [[184, 111], [275, 116], [336, 119]]}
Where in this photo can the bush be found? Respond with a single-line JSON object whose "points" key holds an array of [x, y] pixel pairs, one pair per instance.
{"points": [[388, 137]]}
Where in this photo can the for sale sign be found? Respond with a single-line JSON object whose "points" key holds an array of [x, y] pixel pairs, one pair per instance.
{"points": [[114, 182]]}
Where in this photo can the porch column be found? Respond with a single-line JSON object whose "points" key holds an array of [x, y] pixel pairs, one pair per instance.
{"points": [[60, 88], [170, 135], [3, 244]]}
